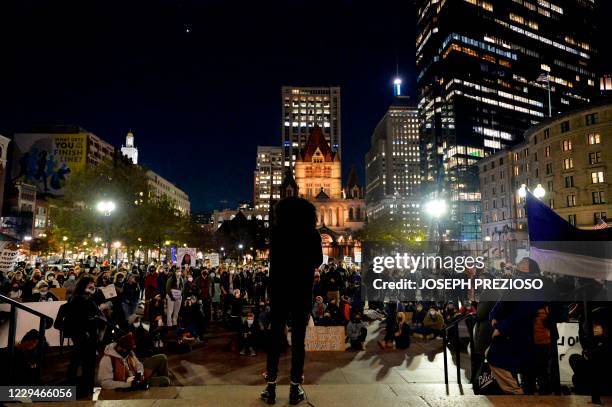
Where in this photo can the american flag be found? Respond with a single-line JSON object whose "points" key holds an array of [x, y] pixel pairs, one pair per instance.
{"points": [[601, 224], [543, 77]]}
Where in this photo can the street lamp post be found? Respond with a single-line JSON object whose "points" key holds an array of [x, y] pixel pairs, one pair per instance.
{"points": [[117, 245], [64, 239], [539, 192], [240, 247], [106, 208]]}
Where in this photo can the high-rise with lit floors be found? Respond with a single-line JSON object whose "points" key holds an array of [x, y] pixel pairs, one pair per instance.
{"points": [[393, 167], [486, 71], [268, 176], [303, 108]]}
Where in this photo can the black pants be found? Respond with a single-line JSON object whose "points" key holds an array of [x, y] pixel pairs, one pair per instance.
{"points": [[279, 316], [84, 355]]}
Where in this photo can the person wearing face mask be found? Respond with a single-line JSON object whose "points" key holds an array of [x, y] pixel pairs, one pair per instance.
{"points": [[15, 293], [70, 284], [190, 289], [432, 324], [130, 296], [120, 368], [50, 277], [356, 332], [81, 325], [418, 316], [28, 286], [174, 297], [248, 333], [43, 293]]}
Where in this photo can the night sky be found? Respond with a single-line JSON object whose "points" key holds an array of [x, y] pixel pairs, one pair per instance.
{"points": [[197, 81]]}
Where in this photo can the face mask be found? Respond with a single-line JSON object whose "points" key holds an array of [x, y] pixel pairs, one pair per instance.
{"points": [[43, 293], [249, 322], [136, 324], [190, 279], [50, 278], [72, 278], [119, 281], [432, 313]]}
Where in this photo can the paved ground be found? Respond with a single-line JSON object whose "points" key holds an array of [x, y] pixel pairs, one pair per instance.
{"points": [[423, 362], [339, 395], [213, 375]]}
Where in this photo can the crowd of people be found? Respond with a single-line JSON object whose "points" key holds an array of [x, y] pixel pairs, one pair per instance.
{"points": [[122, 319]]}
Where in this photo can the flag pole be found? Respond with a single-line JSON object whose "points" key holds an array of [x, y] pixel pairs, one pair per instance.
{"points": [[549, 104]]}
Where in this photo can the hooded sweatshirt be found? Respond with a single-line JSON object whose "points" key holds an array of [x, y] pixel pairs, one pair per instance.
{"points": [[113, 366]]}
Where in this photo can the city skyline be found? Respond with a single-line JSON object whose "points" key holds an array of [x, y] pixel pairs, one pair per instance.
{"points": [[197, 89], [177, 77]]}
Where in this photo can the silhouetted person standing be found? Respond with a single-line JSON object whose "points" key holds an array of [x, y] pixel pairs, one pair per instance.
{"points": [[295, 252]]}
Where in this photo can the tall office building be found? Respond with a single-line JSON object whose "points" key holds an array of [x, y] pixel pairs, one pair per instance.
{"points": [[393, 167], [304, 108], [486, 71], [268, 176]]}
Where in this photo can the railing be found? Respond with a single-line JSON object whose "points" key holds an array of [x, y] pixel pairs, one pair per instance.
{"points": [[45, 323], [468, 318]]}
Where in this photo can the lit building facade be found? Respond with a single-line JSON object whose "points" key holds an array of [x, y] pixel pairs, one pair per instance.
{"points": [[220, 216], [392, 166], [569, 156], [129, 149], [306, 107], [487, 76], [268, 176], [161, 187], [340, 210]]}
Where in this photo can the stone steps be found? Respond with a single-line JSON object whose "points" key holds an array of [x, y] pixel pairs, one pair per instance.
{"points": [[340, 395]]}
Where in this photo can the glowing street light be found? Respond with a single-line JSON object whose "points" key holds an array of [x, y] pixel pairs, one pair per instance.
{"points": [[27, 238], [106, 207], [539, 191], [436, 208], [522, 192], [240, 246], [117, 245]]}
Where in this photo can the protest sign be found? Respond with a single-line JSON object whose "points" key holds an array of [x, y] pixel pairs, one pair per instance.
{"points": [[325, 338], [109, 291], [186, 256], [8, 256]]}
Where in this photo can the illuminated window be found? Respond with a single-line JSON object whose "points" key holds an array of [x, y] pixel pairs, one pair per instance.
{"points": [[594, 138], [568, 163], [567, 145], [597, 177]]}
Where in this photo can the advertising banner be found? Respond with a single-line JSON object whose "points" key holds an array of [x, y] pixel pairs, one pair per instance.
{"points": [[46, 160]]}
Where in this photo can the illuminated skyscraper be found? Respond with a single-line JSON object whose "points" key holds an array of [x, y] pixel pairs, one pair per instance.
{"points": [[268, 176], [486, 71], [393, 167], [303, 108]]}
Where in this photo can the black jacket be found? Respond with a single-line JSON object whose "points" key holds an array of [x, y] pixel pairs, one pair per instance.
{"points": [[294, 255]]}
